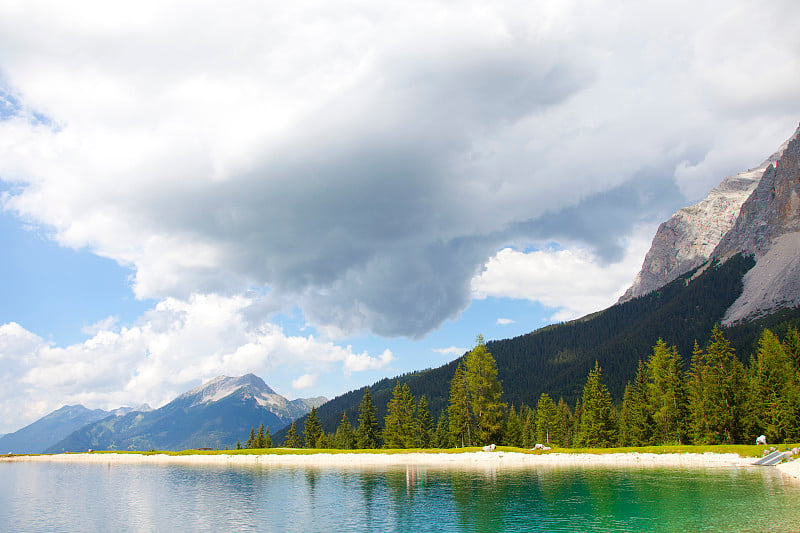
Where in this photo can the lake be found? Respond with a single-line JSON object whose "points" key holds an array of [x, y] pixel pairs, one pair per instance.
{"points": [[56, 497]]}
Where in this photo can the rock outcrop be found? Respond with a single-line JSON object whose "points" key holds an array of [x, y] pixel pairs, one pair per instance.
{"points": [[694, 234], [768, 227]]}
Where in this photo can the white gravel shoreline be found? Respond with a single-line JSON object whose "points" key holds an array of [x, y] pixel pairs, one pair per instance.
{"points": [[509, 460]]}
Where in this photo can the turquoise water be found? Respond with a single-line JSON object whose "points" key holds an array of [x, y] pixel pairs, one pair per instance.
{"points": [[52, 497]]}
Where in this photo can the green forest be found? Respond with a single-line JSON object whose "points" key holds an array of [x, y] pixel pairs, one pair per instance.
{"points": [[715, 399]]}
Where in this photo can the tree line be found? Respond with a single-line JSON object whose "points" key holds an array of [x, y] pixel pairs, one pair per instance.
{"points": [[717, 400]]}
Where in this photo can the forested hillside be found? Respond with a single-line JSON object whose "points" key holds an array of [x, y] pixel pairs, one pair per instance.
{"points": [[556, 359]]}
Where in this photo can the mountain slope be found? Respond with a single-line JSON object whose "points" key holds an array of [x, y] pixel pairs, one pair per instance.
{"points": [[691, 236], [214, 415], [51, 428]]}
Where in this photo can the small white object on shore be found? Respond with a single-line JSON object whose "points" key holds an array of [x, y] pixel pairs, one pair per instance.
{"points": [[490, 448], [761, 440]]}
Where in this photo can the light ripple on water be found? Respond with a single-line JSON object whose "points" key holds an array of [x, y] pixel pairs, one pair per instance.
{"points": [[53, 497]]}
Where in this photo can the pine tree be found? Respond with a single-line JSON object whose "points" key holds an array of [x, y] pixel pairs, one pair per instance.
{"points": [[313, 430], [368, 432], [267, 443], [485, 394], [564, 431], [576, 422], [251, 440], [598, 423], [459, 412], [546, 418], [667, 394], [424, 425], [636, 421], [698, 421], [292, 438], [325, 441], [443, 438], [528, 418], [345, 438], [513, 432], [775, 390], [399, 430], [718, 392], [261, 438], [791, 344], [238, 444]]}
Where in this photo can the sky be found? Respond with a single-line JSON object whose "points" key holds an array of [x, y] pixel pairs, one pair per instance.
{"points": [[325, 194]]}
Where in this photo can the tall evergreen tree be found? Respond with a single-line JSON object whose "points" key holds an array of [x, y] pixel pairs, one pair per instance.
{"points": [[698, 421], [791, 345], [667, 394], [486, 393], [443, 438], [251, 440], [399, 430], [528, 418], [292, 438], [775, 391], [313, 429], [345, 438], [598, 422], [577, 417], [368, 432], [546, 418], [261, 438], [637, 427], [425, 430], [717, 390], [564, 430], [267, 442], [459, 412], [513, 432]]}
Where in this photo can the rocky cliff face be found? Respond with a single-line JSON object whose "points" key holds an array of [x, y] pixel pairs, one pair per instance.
{"points": [[693, 234], [768, 227]]}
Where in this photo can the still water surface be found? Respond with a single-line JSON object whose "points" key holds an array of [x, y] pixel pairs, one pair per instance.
{"points": [[52, 497]]}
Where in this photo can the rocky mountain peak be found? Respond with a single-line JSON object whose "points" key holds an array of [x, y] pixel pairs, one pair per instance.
{"points": [[223, 386], [772, 210], [693, 234], [768, 227]]}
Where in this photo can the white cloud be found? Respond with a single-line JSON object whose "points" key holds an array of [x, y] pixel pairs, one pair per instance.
{"points": [[362, 361], [365, 162], [505, 321], [107, 323], [172, 348], [574, 282], [453, 351], [306, 381]]}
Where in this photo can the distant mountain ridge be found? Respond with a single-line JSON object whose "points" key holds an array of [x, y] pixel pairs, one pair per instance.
{"points": [[213, 415], [51, 428]]}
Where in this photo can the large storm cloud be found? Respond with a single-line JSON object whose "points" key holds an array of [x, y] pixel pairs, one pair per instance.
{"points": [[366, 162]]}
